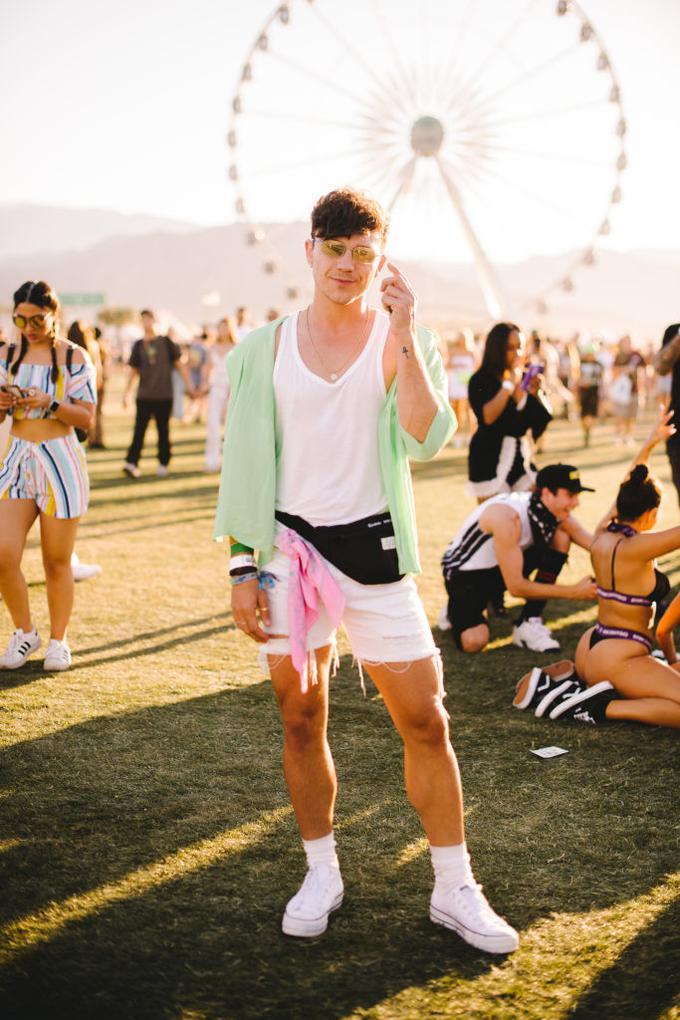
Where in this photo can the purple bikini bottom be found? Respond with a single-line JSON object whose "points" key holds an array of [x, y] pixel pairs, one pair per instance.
{"points": [[601, 633]]}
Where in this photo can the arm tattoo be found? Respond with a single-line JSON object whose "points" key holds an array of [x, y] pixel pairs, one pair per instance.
{"points": [[404, 350]]}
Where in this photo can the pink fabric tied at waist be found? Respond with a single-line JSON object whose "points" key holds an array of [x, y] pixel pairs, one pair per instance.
{"points": [[310, 579]]}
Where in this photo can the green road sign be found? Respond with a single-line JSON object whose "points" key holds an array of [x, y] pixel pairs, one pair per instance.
{"points": [[79, 300]]}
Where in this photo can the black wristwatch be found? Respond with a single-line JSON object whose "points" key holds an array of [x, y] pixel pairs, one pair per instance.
{"points": [[54, 406]]}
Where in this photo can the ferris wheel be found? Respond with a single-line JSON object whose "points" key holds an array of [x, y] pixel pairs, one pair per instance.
{"points": [[491, 130]]}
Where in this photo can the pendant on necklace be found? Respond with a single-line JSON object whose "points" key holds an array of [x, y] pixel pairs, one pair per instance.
{"points": [[334, 376]]}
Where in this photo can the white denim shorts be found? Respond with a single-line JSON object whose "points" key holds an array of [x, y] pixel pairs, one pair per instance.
{"points": [[384, 622]]}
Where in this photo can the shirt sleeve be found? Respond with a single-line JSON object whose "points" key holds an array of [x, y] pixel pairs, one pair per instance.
{"points": [[82, 382], [481, 389], [174, 349], [3, 369], [135, 359]]}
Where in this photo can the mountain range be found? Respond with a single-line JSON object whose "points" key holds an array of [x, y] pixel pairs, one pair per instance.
{"points": [[200, 273]]}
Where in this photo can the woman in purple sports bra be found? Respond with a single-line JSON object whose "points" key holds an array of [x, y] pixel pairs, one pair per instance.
{"points": [[618, 648]]}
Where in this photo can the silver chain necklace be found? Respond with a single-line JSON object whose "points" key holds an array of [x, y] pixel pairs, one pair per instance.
{"points": [[334, 376]]}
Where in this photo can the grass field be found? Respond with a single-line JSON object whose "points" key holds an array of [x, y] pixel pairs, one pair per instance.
{"points": [[147, 846]]}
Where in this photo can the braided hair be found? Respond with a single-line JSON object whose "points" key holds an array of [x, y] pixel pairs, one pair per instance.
{"points": [[43, 296]]}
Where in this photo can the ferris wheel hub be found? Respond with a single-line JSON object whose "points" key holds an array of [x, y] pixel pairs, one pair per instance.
{"points": [[427, 136]]}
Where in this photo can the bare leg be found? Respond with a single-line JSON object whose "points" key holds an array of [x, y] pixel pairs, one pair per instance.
{"points": [[413, 695], [57, 538], [307, 761], [475, 639], [649, 690], [16, 518]]}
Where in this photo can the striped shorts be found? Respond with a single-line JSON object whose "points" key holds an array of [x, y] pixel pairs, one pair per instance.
{"points": [[53, 473]]}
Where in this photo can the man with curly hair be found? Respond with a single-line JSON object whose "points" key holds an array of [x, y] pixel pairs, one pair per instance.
{"points": [[328, 404]]}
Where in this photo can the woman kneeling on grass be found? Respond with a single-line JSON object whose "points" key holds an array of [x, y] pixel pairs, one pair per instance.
{"points": [[616, 676], [47, 385]]}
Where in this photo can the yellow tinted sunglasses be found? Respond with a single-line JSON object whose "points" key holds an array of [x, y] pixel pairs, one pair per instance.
{"points": [[336, 249], [37, 321]]}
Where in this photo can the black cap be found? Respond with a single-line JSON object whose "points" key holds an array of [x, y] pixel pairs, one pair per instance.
{"points": [[560, 476]]}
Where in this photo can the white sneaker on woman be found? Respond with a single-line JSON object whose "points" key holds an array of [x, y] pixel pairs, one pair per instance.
{"points": [[466, 911], [21, 645], [306, 915], [57, 656]]}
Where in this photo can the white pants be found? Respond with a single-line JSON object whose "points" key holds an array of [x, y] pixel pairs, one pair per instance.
{"points": [[218, 398]]}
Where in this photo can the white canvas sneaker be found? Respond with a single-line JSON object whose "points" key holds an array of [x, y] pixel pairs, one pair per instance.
{"points": [[57, 656], [443, 621], [21, 645], [534, 635], [83, 571], [466, 911], [306, 915], [131, 470]]}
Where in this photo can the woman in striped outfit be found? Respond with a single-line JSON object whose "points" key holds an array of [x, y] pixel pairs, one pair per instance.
{"points": [[48, 386]]}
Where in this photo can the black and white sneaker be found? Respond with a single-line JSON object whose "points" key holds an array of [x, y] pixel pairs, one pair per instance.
{"points": [[540, 682], [558, 694], [587, 706], [21, 645]]}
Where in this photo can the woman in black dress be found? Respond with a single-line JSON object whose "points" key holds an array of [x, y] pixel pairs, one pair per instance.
{"points": [[505, 397]]}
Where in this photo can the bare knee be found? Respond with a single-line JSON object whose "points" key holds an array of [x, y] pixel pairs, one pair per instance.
{"points": [[304, 726], [430, 729], [10, 563], [57, 569], [475, 639]]}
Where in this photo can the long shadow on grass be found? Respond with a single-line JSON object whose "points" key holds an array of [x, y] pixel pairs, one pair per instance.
{"points": [[95, 802], [645, 979], [34, 671]]}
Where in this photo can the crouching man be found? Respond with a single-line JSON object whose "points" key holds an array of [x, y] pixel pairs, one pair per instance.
{"points": [[500, 545]]}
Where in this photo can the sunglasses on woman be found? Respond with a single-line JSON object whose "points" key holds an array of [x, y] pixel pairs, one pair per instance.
{"points": [[336, 249], [36, 321]]}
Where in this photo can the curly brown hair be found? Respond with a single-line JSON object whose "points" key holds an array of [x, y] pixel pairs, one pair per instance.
{"points": [[346, 211]]}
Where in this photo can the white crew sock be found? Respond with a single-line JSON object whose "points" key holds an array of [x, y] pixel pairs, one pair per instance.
{"points": [[321, 851], [451, 865]]}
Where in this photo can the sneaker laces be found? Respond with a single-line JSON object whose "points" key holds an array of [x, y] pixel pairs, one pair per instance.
{"points": [[17, 645], [474, 903], [314, 886]]}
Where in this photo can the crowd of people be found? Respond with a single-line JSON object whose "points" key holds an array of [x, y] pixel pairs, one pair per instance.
{"points": [[318, 540]]}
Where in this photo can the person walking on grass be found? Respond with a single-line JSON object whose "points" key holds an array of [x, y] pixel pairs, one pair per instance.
{"points": [[48, 386], [327, 406], [152, 361]]}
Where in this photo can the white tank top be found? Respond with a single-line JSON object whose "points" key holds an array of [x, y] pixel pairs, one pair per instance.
{"points": [[329, 469], [473, 549]]}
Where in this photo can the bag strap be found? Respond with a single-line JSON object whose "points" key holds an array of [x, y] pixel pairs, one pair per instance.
{"points": [[10, 358]]}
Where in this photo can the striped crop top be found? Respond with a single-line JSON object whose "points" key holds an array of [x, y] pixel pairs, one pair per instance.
{"points": [[77, 384]]}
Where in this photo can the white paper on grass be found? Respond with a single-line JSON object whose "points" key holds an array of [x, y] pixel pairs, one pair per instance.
{"points": [[549, 752]]}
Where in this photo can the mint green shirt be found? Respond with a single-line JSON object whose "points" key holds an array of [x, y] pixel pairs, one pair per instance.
{"points": [[252, 446]]}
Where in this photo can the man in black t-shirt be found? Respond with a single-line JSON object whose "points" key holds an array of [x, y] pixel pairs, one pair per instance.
{"points": [[667, 360], [152, 361]]}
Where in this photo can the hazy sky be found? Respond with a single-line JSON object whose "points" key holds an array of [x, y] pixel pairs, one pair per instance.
{"points": [[126, 105]]}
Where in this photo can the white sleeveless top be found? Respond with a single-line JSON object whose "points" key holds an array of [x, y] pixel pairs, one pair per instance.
{"points": [[328, 469], [473, 549]]}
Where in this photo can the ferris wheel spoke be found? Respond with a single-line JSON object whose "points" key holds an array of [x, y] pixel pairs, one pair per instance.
{"points": [[309, 73], [339, 37], [297, 118], [491, 288], [386, 33], [405, 182], [326, 157], [532, 195], [501, 42], [533, 72], [542, 114], [562, 157]]}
